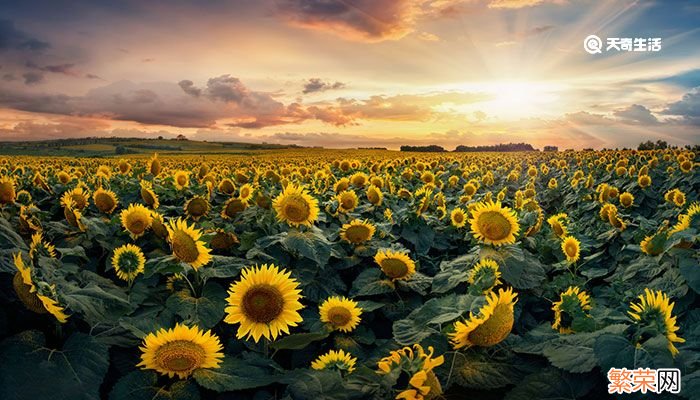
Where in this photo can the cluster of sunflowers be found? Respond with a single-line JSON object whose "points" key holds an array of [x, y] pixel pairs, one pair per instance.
{"points": [[334, 259]]}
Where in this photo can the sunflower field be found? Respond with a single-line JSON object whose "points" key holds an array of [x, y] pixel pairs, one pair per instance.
{"points": [[353, 274]]}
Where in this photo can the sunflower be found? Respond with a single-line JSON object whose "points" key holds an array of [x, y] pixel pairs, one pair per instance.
{"points": [[148, 195], [418, 366], [197, 207], [74, 217], [374, 195], [39, 247], [40, 298], [105, 200], [485, 275], [181, 179], [339, 360], [347, 201], [458, 217], [223, 240], [573, 304], [644, 181], [490, 326], [184, 240], [679, 199], [232, 207], [571, 248], [265, 302], [78, 196], [626, 200], [24, 197], [558, 224], [295, 206], [246, 192], [180, 351], [8, 192], [158, 225], [493, 224], [357, 231], [654, 311], [63, 177], [340, 313], [686, 166], [136, 220], [154, 166], [128, 261], [395, 264]]}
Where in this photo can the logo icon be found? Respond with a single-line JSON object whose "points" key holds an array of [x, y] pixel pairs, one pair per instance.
{"points": [[592, 44]]}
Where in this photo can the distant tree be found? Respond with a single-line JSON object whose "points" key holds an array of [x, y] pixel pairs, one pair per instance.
{"points": [[426, 149], [121, 150], [501, 147], [551, 148]]}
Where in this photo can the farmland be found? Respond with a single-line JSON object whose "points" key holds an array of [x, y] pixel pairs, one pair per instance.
{"points": [[348, 274]]}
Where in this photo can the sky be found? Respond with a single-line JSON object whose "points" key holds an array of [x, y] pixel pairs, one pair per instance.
{"points": [[351, 73]]}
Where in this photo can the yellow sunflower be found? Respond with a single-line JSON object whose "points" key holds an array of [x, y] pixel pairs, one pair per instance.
{"points": [[148, 195], [558, 224], [347, 201], [418, 366], [197, 207], [40, 298], [493, 224], [458, 217], [626, 200], [78, 196], [339, 360], [395, 264], [180, 351], [573, 303], [357, 231], [74, 217], [185, 243], [39, 247], [654, 310], [246, 192], [265, 302], [644, 181], [571, 248], [136, 220], [232, 207], [8, 192], [181, 179], [295, 206], [485, 275], [226, 186], [223, 240], [490, 326], [374, 195], [158, 225], [340, 313], [128, 262], [105, 200]]}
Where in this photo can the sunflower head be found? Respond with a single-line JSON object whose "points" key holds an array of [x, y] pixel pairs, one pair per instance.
{"points": [[374, 195], [180, 351], [148, 195], [340, 313], [571, 248], [232, 207], [644, 181], [105, 200], [226, 186], [181, 179], [40, 297], [396, 265], [347, 201], [491, 325], [246, 192], [484, 276], [653, 245], [24, 197], [357, 231], [74, 217], [78, 197], [458, 217], [493, 224], [558, 224], [295, 206], [136, 220], [39, 247], [8, 192], [571, 310], [626, 199], [197, 207], [265, 302], [416, 366], [128, 262], [653, 315], [223, 240], [335, 359], [186, 244]]}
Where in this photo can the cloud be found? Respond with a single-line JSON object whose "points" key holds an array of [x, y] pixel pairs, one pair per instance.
{"points": [[636, 113], [65, 69], [189, 88], [12, 38], [688, 107], [518, 3], [314, 85], [32, 78]]}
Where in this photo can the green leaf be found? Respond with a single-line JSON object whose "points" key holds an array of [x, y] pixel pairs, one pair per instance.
{"points": [[690, 270], [551, 383], [369, 282], [204, 311], [417, 325], [143, 385], [298, 341], [234, 374], [479, 371], [33, 371]]}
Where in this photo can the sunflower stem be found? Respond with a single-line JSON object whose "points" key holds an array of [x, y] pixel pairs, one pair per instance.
{"points": [[194, 294]]}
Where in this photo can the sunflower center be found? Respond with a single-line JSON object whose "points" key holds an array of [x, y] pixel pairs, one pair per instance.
{"points": [[234, 207], [373, 197], [197, 207], [79, 200], [147, 196], [459, 218], [104, 202], [263, 303], [180, 356], [357, 233], [495, 328], [494, 225], [181, 180], [394, 268], [339, 316], [570, 249], [184, 247], [347, 202], [296, 209], [556, 226], [136, 223]]}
